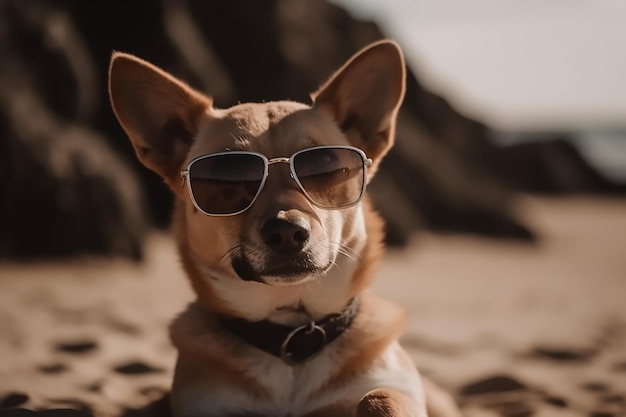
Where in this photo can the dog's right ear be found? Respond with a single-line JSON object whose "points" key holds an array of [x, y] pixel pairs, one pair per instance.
{"points": [[159, 113], [364, 96]]}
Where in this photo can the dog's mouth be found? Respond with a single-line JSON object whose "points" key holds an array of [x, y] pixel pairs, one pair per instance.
{"points": [[286, 271]]}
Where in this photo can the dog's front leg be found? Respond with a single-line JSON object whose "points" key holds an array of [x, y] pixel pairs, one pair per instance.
{"points": [[389, 403]]}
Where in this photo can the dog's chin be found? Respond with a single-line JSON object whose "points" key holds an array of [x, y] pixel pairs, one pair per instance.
{"points": [[289, 273]]}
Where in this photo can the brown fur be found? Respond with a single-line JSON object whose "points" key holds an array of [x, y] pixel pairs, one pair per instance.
{"points": [[380, 323], [169, 125]]}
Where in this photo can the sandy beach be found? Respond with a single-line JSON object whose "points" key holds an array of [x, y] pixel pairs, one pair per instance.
{"points": [[508, 328]]}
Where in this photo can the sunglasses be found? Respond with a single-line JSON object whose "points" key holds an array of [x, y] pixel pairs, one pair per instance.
{"points": [[228, 183]]}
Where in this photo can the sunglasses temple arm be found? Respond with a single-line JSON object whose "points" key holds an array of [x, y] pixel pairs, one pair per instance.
{"points": [[183, 174]]}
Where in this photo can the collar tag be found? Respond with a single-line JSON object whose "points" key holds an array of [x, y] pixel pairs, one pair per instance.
{"points": [[303, 343]]}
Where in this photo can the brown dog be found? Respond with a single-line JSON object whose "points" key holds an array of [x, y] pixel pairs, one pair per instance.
{"points": [[278, 243]]}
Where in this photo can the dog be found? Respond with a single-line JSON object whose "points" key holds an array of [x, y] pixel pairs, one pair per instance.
{"points": [[279, 243]]}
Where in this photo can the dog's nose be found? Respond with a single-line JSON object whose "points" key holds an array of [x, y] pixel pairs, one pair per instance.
{"points": [[285, 236]]}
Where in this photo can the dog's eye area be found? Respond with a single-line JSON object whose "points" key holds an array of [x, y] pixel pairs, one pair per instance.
{"points": [[327, 164], [316, 159], [332, 177], [227, 183]]}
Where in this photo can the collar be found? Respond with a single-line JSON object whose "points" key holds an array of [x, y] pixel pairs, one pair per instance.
{"points": [[294, 345]]}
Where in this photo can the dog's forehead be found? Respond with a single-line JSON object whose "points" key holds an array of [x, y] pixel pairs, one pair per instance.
{"points": [[273, 129]]}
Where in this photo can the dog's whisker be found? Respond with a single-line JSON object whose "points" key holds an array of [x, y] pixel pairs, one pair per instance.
{"points": [[351, 251], [236, 249], [344, 249], [347, 254], [308, 285]]}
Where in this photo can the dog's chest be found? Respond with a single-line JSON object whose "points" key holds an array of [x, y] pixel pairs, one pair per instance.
{"points": [[294, 390], [290, 391], [217, 375], [297, 391]]}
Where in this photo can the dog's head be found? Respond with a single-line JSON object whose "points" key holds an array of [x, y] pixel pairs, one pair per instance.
{"points": [[268, 194]]}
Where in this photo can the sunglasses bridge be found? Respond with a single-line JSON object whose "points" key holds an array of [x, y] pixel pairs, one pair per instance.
{"points": [[281, 160], [278, 160]]}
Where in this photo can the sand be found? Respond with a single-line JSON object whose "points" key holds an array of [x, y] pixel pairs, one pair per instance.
{"points": [[507, 328]]}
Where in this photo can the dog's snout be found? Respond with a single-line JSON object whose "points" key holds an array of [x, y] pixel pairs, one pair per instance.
{"points": [[285, 236]]}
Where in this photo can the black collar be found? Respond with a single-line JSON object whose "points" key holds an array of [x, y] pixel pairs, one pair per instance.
{"points": [[294, 345]]}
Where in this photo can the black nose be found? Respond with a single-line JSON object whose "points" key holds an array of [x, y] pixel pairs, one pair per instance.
{"points": [[283, 236]]}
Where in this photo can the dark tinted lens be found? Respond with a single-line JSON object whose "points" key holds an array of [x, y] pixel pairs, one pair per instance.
{"points": [[332, 177], [226, 184]]}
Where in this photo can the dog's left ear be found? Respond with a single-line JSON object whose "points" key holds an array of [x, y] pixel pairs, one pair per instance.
{"points": [[159, 113], [364, 96]]}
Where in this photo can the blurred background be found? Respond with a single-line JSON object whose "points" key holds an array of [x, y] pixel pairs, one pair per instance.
{"points": [[523, 97], [509, 167]]}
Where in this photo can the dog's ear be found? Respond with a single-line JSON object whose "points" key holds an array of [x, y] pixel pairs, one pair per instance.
{"points": [[364, 96], [159, 113]]}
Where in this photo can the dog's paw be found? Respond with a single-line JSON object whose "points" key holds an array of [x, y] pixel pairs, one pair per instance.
{"points": [[388, 403]]}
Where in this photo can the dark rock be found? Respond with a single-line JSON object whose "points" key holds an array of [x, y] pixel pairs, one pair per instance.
{"points": [[79, 347], [136, 368], [515, 410], [596, 386], [564, 354], [493, 384], [551, 165], [17, 412], [64, 412], [57, 412], [556, 401], [14, 399], [95, 386], [70, 405], [64, 192], [54, 368]]}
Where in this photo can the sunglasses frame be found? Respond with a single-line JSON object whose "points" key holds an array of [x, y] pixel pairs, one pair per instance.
{"points": [[367, 162]]}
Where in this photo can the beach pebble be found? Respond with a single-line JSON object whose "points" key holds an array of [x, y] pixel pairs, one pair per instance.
{"points": [[14, 399], [498, 383]]}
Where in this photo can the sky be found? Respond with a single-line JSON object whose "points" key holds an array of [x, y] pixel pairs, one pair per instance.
{"points": [[515, 64]]}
